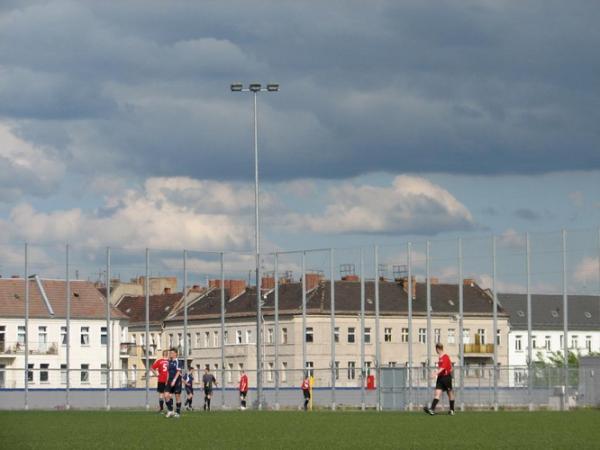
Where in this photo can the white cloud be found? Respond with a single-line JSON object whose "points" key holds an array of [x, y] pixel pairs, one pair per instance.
{"points": [[26, 168], [170, 213], [587, 270], [410, 205]]}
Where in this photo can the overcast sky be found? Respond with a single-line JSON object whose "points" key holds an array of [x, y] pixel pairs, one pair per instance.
{"points": [[395, 121]]}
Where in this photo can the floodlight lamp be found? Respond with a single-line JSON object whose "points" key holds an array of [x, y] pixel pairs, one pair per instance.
{"points": [[272, 87], [255, 87], [236, 87]]}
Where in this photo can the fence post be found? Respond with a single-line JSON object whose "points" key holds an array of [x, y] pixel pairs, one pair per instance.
{"points": [[303, 314], [26, 362], [428, 287], [68, 337], [147, 307], [108, 330], [495, 324], [362, 330], [377, 330], [276, 331], [565, 319], [530, 364], [222, 264], [410, 324], [332, 294], [461, 346]]}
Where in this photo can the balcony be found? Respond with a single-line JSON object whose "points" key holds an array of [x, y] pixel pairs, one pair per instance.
{"points": [[127, 349], [35, 348], [478, 349]]}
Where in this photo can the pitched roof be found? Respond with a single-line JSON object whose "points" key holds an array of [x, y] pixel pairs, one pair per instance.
{"points": [[86, 300], [547, 311], [392, 300], [160, 307]]}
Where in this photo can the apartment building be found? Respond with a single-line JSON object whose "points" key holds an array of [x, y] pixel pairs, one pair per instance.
{"points": [[46, 335]]}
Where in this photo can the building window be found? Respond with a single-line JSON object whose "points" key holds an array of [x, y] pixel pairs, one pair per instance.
{"points": [[351, 370], [270, 336], [387, 335], [103, 336], [225, 336], [480, 336], [451, 336], [206, 338], [179, 340], [437, 335], [309, 334], [392, 364], [230, 373], [422, 336], [588, 343], [85, 374], [533, 342], [270, 371], [337, 369], [216, 342], [497, 337], [284, 336], [336, 334], [367, 336], [547, 343], [283, 371], [103, 374], [466, 336], [63, 374], [367, 368], [574, 342], [350, 335], [44, 373], [562, 342], [170, 340], [42, 339], [85, 336], [310, 368], [238, 336], [518, 345], [404, 335], [21, 335], [248, 336], [63, 335], [30, 373], [189, 342]]}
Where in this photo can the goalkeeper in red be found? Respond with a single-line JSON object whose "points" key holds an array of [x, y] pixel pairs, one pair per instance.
{"points": [[443, 381]]}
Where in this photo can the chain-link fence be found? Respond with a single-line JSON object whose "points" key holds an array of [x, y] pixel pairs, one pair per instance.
{"points": [[82, 319]]}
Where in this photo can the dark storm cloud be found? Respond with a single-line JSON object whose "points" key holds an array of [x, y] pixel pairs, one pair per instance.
{"points": [[141, 87]]}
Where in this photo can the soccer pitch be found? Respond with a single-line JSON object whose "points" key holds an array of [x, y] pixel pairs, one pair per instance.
{"points": [[248, 429]]}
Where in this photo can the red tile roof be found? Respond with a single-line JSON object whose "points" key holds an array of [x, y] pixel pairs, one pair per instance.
{"points": [[86, 301]]}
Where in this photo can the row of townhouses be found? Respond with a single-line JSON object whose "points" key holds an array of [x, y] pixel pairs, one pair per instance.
{"points": [[128, 347]]}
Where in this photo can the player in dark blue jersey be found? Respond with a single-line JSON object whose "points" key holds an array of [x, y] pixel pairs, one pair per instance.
{"points": [[188, 381], [174, 384]]}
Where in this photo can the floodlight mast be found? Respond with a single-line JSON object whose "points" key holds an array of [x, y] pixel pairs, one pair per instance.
{"points": [[255, 88]]}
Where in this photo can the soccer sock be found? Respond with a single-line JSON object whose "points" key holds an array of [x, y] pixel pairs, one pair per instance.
{"points": [[205, 402], [190, 402], [434, 404], [306, 404], [452, 405], [161, 402], [170, 405], [209, 404], [178, 408], [244, 403]]}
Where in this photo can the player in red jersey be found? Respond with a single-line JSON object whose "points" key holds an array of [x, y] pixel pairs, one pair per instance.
{"points": [[306, 391], [443, 382], [243, 390], [159, 369]]}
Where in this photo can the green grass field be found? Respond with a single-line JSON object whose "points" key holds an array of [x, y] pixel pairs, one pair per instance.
{"points": [[366, 430]]}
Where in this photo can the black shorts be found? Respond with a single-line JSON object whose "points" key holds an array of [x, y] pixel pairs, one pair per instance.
{"points": [[174, 389], [243, 394], [444, 383], [207, 392], [160, 387], [306, 393], [189, 390]]}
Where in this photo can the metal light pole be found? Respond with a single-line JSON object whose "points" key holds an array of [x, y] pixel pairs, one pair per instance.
{"points": [[255, 88]]}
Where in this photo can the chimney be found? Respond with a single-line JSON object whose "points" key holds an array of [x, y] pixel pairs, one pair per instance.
{"points": [[232, 287], [196, 288], [312, 280], [404, 283], [469, 282], [350, 278], [267, 283], [167, 290]]}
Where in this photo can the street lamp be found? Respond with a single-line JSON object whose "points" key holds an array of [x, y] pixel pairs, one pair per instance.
{"points": [[255, 88]]}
